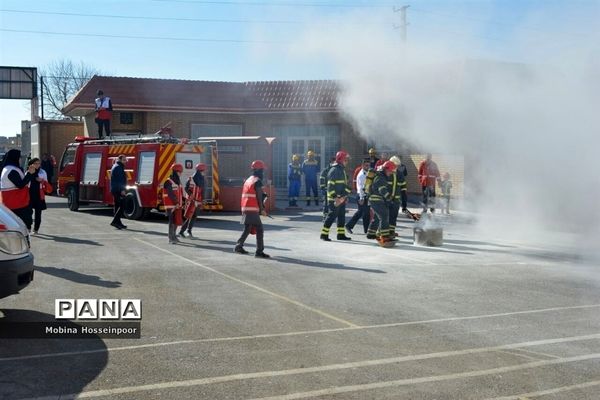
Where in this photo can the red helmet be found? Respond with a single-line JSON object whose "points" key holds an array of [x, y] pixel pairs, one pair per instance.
{"points": [[257, 164], [341, 156], [177, 167], [389, 166], [201, 167]]}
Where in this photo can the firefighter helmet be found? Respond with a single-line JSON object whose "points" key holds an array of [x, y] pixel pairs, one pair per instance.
{"points": [[396, 160], [310, 153], [177, 167], [257, 164], [389, 166], [201, 167], [372, 151], [341, 156], [295, 157]]}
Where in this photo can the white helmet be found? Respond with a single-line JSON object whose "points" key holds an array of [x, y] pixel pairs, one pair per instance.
{"points": [[396, 160]]}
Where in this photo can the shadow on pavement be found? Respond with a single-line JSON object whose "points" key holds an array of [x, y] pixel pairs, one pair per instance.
{"points": [[24, 375], [314, 264], [78, 277], [65, 239]]}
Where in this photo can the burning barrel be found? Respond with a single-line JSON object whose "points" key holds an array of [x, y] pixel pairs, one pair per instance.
{"points": [[427, 232]]}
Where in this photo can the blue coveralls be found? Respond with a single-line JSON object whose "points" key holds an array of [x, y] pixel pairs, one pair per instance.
{"points": [[310, 168], [294, 176]]}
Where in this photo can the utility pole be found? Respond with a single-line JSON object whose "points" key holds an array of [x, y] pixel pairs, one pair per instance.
{"points": [[403, 23]]}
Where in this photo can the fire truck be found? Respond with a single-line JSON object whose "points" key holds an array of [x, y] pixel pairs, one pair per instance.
{"points": [[84, 170]]}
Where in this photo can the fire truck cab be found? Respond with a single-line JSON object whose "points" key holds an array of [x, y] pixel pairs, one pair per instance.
{"points": [[84, 170]]}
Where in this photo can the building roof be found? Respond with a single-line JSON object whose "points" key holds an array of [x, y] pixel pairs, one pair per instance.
{"points": [[141, 94]]}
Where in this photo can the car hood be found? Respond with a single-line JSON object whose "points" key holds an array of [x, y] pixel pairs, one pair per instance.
{"points": [[11, 221]]}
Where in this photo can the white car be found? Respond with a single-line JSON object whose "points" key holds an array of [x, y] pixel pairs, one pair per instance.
{"points": [[16, 260]]}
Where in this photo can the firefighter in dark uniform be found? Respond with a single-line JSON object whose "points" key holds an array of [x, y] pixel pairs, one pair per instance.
{"points": [[396, 179], [173, 199], [323, 186], [252, 208], [380, 198], [338, 190], [194, 187], [295, 180]]}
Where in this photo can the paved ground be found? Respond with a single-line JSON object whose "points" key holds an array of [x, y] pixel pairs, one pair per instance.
{"points": [[479, 318]]}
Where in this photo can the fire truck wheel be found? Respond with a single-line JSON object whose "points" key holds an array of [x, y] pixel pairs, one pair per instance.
{"points": [[72, 199], [132, 209]]}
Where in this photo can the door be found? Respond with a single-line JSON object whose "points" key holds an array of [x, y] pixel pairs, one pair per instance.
{"points": [[300, 146], [89, 186]]}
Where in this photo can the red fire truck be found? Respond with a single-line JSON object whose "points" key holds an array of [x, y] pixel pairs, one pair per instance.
{"points": [[84, 171]]}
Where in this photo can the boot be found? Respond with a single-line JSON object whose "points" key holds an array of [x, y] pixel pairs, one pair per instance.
{"points": [[343, 237], [261, 255], [325, 238], [240, 250]]}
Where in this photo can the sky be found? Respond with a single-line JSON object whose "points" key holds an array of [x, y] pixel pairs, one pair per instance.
{"points": [[264, 39]]}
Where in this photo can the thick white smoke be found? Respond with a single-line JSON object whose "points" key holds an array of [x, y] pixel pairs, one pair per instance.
{"points": [[529, 130]]}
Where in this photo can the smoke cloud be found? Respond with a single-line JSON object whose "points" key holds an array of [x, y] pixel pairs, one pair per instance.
{"points": [[529, 129]]}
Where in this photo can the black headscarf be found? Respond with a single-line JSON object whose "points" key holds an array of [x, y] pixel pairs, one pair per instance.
{"points": [[12, 157], [175, 178], [258, 173]]}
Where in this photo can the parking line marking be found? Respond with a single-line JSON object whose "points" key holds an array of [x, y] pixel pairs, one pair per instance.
{"points": [[358, 364], [428, 379], [260, 289], [284, 334], [548, 391]]}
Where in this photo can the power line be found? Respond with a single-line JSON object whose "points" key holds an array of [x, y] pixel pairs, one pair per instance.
{"points": [[180, 19], [278, 4], [142, 37], [153, 18]]}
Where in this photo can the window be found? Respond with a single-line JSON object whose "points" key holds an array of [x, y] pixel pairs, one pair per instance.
{"points": [[68, 157], [91, 168], [126, 118], [146, 167]]}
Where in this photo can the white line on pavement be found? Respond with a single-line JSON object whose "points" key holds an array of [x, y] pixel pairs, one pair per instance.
{"points": [[549, 391], [260, 289], [296, 333], [358, 364]]}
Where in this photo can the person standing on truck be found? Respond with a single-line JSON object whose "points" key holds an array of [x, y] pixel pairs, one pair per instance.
{"points": [[38, 187], [118, 182], [252, 205], [13, 186], [103, 113], [194, 187], [173, 200]]}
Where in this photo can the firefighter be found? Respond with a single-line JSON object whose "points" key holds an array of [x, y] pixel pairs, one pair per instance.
{"points": [[14, 186], [323, 187], [294, 177], [194, 188], [380, 198], [173, 199], [373, 157], [338, 190], [310, 169], [428, 174], [252, 205], [398, 184]]}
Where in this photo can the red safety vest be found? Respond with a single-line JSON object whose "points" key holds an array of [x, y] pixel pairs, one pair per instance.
{"points": [[11, 196], [196, 191], [167, 202], [249, 201]]}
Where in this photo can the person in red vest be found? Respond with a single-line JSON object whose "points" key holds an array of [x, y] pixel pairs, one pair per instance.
{"points": [[252, 208], [14, 186], [428, 175], [38, 188], [103, 113], [195, 191], [173, 199]]}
